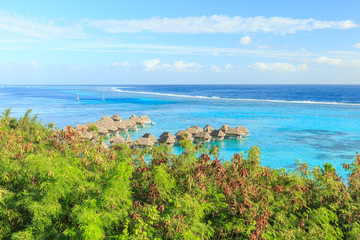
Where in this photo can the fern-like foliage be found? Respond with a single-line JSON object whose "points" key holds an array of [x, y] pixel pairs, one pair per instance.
{"points": [[56, 186]]}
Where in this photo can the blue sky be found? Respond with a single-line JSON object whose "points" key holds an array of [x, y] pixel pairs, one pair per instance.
{"points": [[172, 42]]}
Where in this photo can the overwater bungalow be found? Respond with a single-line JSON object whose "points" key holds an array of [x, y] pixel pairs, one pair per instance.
{"points": [[145, 142], [150, 136], [233, 133], [81, 127], [120, 126], [244, 130], [130, 124], [197, 128], [99, 123], [166, 134], [90, 124], [106, 119], [116, 138], [137, 120], [128, 140], [87, 135], [217, 135], [146, 119], [225, 128], [184, 135], [104, 145], [192, 131], [181, 132], [203, 137], [102, 131], [208, 129], [167, 139], [111, 128], [116, 118]]}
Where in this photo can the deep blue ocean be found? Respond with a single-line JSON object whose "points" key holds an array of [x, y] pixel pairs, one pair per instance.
{"points": [[312, 123]]}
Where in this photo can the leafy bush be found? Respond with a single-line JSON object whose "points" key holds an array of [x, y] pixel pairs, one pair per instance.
{"points": [[57, 186]]}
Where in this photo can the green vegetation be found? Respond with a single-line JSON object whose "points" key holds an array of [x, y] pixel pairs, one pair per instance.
{"points": [[57, 186]]}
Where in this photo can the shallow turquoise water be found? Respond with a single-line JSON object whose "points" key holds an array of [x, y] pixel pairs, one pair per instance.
{"points": [[285, 131]]}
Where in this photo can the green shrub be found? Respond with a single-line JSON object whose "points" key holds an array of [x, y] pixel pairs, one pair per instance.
{"points": [[56, 186]]}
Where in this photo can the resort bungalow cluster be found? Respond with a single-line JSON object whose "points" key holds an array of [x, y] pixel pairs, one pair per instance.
{"points": [[194, 134], [112, 127]]}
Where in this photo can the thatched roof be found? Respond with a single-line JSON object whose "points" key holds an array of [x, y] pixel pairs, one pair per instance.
{"points": [[111, 128], [234, 132], [192, 130], [128, 123], [89, 124], [102, 130], [243, 129], [184, 135], [169, 139], [115, 143], [106, 119], [103, 145], [80, 127], [100, 123], [120, 125], [146, 142], [208, 129], [197, 128], [140, 121], [203, 136], [137, 120], [181, 132], [218, 134], [150, 136], [225, 128], [146, 119], [116, 118], [165, 134], [117, 138], [87, 136], [128, 139]]}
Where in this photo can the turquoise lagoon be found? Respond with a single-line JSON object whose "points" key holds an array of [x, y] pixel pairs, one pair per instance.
{"points": [[288, 123]]}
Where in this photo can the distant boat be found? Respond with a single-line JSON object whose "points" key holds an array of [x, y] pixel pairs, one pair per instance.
{"points": [[103, 98], [78, 98]]}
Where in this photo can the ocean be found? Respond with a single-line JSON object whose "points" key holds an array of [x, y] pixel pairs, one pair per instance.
{"points": [[311, 123]]}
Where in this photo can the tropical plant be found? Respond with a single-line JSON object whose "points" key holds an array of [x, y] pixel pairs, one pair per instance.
{"points": [[54, 185]]}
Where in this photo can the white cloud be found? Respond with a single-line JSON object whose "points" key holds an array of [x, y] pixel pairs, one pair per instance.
{"points": [[216, 24], [121, 65], [245, 40], [152, 64], [179, 66], [35, 28], [302, 66], [278, 67], [54, 28], [229, 66], [357, 45], [215, 68], [30, 65], [327, 60]]}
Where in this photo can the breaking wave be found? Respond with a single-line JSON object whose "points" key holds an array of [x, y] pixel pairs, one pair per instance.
{"points": [[233, 99]]}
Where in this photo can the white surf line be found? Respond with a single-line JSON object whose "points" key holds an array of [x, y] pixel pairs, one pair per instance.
{"points": [[237, 99]]}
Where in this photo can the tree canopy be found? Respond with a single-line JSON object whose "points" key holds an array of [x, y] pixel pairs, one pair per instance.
{"points": [[57, 186]]}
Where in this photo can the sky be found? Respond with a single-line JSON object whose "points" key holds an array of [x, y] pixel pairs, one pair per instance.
{"points": [[179, 42]]}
